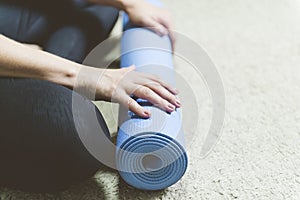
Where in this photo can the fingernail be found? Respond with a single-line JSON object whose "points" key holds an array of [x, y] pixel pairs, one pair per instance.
{"points": [[177, 102], [147, 114], [172, 107]]}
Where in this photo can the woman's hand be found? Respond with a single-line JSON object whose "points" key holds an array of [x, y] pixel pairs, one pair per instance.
{"points": [[147, 15], [144, 14], [118, 85]]}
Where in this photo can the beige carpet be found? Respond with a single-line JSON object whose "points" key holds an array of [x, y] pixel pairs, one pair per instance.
{"points": [[256, 47]]}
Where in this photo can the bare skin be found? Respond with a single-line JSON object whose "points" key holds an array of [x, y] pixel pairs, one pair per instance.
{"points": [[29, 61]]}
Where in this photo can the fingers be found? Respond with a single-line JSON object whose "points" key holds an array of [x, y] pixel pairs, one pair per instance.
{"points": [[132, 105], [157, 91], [150, 88], [167, 22], [163, 26], [128, 69], [154, 98], [164, 93], [163, 83], [151, 78], [155, 94], [173, 40], [156, 27]]}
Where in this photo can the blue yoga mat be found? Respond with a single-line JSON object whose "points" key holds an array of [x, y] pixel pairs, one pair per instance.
{"points": [[150, 152]]}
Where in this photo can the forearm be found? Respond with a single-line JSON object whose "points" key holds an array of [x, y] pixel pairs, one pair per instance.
{"points": [[18, 60]]}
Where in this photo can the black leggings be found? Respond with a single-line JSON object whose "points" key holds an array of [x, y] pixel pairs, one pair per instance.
{"points": [[40, 149]]}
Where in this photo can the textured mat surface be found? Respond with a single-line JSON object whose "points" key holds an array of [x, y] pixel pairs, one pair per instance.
{"points": [[150, 153]]}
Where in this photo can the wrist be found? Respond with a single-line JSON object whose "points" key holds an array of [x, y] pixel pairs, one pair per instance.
{"points": [[71, 75], [67, 76], [87, 81]]}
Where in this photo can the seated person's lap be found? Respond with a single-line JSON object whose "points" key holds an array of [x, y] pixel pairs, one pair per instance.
{"points": [[40, 148], [58, 26]]}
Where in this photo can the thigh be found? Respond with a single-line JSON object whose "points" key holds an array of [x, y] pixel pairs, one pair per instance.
{"points": [[68, 28], [25, 23], [84, 27], [40, 148]]}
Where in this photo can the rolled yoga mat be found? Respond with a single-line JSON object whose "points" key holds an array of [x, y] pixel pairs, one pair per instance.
{"points": [[150, 152]]}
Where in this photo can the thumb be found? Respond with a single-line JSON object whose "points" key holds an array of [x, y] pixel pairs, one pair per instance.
{"points": [[126, 70], [130, 68]]}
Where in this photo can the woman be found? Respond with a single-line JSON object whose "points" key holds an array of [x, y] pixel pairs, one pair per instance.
{"points": [[40, 149]]}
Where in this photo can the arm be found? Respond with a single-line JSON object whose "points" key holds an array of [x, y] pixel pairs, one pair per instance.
{"points": [[18, 60]]}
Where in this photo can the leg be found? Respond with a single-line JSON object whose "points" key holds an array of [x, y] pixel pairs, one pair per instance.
{"points": [[24, 24], [40, 149], [82, 30], [63, 28]]}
